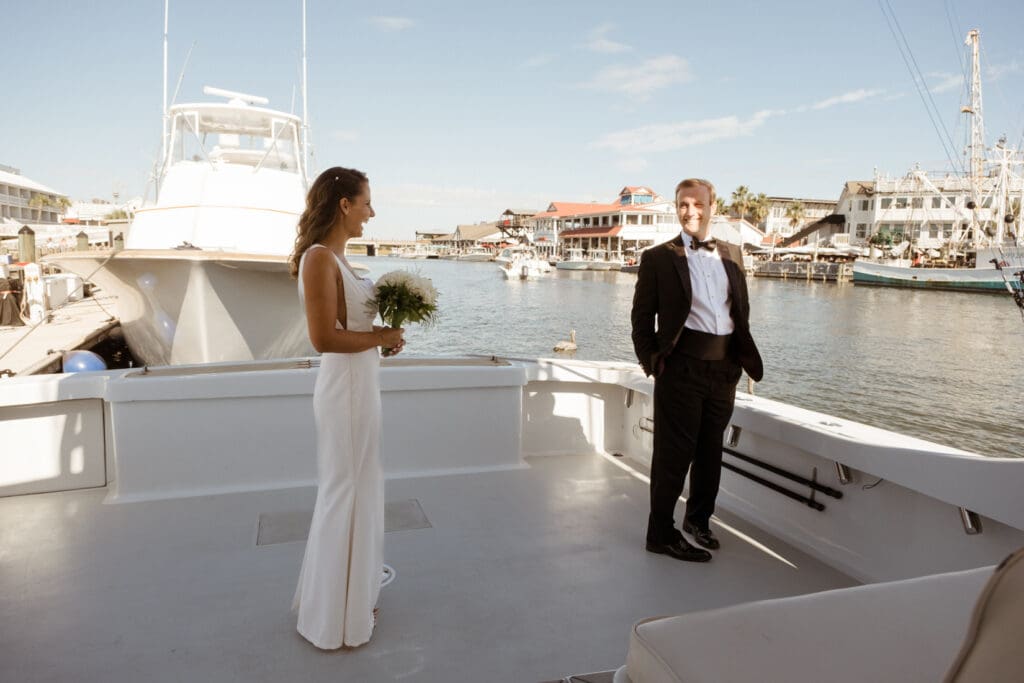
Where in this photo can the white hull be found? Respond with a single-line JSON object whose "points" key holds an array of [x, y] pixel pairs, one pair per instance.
{"points": [[474, 257], [572, 265], [600, 265], [184, 307]]}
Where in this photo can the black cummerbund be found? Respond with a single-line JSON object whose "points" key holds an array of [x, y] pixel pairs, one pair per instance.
{"points": [[703, 345]]}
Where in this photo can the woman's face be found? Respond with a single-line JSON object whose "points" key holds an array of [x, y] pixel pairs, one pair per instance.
{"points": [[355, 212]]}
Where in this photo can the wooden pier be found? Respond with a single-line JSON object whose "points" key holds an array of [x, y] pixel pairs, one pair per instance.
{"points": [[28, 350], [816, 271]]}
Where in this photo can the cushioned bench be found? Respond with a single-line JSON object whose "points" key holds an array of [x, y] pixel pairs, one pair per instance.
{"points": [[900, 631]]}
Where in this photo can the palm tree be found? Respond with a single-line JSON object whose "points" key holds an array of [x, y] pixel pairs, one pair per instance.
{"points": [[795, 213], [38, 202], [759, 208], [741, 201], [720, 206]]}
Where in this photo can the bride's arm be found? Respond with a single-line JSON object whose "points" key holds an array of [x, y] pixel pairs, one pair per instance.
{"points": [[320, 282]]}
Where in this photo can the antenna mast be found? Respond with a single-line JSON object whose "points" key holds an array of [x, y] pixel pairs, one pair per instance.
{"points": [[305, 102], [163, 130], [977, 121]]}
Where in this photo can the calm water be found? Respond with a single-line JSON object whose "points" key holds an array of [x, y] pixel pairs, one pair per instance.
{"points": [[943, 366]]}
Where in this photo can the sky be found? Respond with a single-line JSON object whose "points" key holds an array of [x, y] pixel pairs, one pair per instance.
{"points": [[460, 110]]}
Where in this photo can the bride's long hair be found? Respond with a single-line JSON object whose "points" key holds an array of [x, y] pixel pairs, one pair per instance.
{"points": [[321, 211]]}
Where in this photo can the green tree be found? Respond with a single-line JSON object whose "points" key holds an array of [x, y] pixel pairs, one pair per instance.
{"points": [[741, 201], [39, 202], [882, 238], [795, 212], [759, 208], [720, 206]]}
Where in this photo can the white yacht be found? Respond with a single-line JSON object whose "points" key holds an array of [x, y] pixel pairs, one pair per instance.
{"points": [[599, 261], [573, 260], [524, 265], [203, 276], [154, 522]]}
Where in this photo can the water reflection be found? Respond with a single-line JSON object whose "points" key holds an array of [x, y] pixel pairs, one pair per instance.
{"points": [[942, 366]]}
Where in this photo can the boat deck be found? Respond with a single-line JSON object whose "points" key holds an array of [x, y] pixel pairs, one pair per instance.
{"points": [[523, 575]]}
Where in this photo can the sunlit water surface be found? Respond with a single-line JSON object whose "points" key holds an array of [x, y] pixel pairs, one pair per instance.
{"points": [[943, 366]]}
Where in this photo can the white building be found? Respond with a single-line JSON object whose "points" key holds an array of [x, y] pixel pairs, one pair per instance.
{"points": [[778, 222], [24, 201], [637, 219], [928, 210]]}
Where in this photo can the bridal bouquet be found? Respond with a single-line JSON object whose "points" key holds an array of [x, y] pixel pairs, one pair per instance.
{"points": [[401, 296]]}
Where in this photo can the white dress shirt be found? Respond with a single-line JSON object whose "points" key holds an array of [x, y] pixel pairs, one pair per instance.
{"points": [[709, 311]]}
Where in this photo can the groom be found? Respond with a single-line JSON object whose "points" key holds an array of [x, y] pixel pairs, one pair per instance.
{"points": [[691, 331]]}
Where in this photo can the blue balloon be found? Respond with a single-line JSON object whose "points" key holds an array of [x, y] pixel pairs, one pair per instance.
{"points": [[83, 361]]}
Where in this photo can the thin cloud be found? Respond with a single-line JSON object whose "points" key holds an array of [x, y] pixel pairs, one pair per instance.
{"points": [[340, 135], [643, 79], [538, 61], [846, 98], [945, 82], [392, 23], [599, 41], [670, 136], [996, 71]]}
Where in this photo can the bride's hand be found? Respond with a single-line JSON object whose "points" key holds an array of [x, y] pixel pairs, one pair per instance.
{"points": [[391, 337]]}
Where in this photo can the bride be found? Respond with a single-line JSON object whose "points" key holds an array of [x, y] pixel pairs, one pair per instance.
{"points": [[341, 571]]}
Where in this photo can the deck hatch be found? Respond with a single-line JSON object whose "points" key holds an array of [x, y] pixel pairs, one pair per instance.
{"points": [[293, 525]]}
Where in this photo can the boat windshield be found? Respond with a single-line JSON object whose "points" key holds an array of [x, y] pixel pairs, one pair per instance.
{"points": [[233, 134]]}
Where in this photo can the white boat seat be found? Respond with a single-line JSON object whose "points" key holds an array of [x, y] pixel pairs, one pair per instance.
{"points": [[902, 631]]}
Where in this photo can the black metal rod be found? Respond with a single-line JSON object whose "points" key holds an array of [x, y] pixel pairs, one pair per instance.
{"points": [[827, 490], [775, 487]]}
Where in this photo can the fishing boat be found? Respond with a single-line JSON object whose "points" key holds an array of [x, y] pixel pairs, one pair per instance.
{"points": [[154, 523], [963, 230], [203, 276], [476, 254]]}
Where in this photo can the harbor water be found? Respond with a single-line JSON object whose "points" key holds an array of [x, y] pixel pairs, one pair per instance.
{"points": [[942, 366]]}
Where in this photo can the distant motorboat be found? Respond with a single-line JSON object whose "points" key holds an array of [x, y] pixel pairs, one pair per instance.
{"points": [[574, 260], [525, 265], [476, 254]]}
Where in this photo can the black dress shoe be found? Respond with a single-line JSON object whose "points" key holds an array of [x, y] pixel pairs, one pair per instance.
{"points": [[680, 550], [703, 537]]}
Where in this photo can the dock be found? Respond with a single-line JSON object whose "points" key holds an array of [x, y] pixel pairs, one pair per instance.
{"points": [[28, 350], [817, 271]]}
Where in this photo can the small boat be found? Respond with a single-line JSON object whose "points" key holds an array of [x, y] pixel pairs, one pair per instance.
{"points": [[525, 265], [476, 254], [574, 260], [599, 261], [416, 252]]}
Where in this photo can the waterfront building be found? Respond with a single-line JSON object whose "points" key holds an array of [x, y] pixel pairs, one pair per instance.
{"points": [[778, 221], [637, 219], [25, 201], [467, 236], [928, 210]]}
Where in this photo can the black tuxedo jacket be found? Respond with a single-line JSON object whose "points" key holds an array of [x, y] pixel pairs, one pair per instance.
{"points": [[663, 292]]}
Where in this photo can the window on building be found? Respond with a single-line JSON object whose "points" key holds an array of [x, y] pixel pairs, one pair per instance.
{"points": [[631, 219], [917, 202], [947, 230], [646, 219], [933, 230], [898, 230], [865, 205], [862, 230], [937, 202], [886, 202], [901, 202]]}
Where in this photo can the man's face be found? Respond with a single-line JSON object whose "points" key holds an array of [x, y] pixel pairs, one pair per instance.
{"points": [[693, 207]]}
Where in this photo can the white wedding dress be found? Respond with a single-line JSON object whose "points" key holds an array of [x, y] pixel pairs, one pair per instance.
{"points": [[341, 571]]}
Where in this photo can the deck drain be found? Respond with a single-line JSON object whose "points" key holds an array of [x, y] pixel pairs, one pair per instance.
{"points": [[293, 525]]}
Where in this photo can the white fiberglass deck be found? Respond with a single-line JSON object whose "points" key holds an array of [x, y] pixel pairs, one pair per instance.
{"points": [[523, 575]]}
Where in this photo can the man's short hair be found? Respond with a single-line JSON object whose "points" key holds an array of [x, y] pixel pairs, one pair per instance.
{"points": [[695, 182]]}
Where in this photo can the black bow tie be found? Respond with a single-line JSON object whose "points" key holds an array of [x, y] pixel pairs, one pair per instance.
{"points": [[706, 244]]}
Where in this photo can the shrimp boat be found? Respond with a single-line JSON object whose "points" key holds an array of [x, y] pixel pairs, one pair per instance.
{"points": [[966, 227], [203, 276], [154, 523]]}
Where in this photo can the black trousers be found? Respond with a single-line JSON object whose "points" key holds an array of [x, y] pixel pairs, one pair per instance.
{"points": [[693, 403]]}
